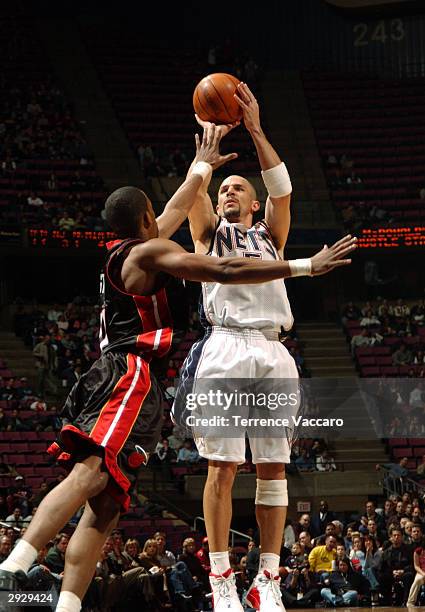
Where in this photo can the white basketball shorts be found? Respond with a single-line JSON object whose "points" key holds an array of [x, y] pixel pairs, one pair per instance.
{"points": [[233, 354]]}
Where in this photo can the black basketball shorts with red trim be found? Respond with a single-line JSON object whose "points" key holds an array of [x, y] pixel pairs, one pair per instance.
{"points": [[114, 411]]}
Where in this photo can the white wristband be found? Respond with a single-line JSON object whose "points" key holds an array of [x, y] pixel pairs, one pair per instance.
{"points": [[277, 181], [202, 168], [300, 267]]}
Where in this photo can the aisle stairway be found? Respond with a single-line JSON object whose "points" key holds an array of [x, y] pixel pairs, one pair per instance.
{"points": [[18, 357], [327, 357], [326, 352]]}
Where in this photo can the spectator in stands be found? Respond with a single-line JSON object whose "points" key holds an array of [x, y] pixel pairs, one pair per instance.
{"points": [[420, 470], [372, 563], [321, 557], [369, 320], [46, 364], [193, 563], [166, 557], [397, 470], [5, 547], [188, 454], [305, 542], [5, 469], [374, 532], [416, 538], [40, 578], [354, 181], [299, 589], [365, 338], [66, 222], [303, 524], [400, 310], [357, 555], [325, 463], [330, 529], [304, 463], [402, 356], [344, 586], [419, 579], [320, 519], [55, 558], [396, 569], [131, 552], [350, 313], [34, 200], [15, 423]]}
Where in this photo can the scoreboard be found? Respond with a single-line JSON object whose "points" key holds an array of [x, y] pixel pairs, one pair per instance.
{"points": [[392, 237]]}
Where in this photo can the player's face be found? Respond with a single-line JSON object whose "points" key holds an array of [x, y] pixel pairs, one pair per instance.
{"points": [[236, 199]]}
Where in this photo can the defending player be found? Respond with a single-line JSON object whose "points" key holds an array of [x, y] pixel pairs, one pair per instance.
{"points": [[242, 341], [113, 413]]}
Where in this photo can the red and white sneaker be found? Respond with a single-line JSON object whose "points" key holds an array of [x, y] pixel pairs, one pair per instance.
{"points": [[264, 593], [225, 595]]}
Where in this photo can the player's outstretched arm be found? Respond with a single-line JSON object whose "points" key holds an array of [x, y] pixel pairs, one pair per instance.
{"points": [[275, 176], [207, 159], [160, 255], [202, 217]]}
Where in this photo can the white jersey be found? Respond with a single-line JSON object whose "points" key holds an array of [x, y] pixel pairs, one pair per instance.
{"points": [[262, 306]]}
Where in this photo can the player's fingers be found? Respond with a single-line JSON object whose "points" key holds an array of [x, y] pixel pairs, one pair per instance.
{"points": [[205, 136], [211, 133], [342, 241], [242, 91], [197, 143], [341, 262], [248, 92], [345, 248], [229, 157], [240, 102]]}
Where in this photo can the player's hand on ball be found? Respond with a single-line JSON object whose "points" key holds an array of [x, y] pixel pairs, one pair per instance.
{"points": [[251, 111], [208, 149], [223, 129], [333, 257]]}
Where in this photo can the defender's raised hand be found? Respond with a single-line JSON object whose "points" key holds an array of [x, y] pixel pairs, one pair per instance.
{"points": [[329, 258], [223, 129], [208, 149]]}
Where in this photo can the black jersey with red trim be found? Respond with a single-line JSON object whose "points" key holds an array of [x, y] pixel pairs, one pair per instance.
{"points": [[137, 324]]}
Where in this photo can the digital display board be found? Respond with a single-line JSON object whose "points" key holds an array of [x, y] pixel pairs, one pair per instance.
{"points": [[392, 237], [68, 239]]}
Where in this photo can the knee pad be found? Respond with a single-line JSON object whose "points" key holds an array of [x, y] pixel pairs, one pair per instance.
{"points": [[271, 493]]}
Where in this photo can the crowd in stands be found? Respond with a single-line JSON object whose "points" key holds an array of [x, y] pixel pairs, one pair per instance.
{"points": [[394, 332], [46, 169], [373, 557]]}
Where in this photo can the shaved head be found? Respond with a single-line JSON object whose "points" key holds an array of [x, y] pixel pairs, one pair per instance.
{"points": [[237, 200], [124, 211], [234, 178]]}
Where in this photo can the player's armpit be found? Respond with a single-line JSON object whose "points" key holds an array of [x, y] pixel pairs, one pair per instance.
{"points": [[278, 219]]}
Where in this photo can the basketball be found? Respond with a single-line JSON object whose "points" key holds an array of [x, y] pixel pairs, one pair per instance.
{"points": [[213, 99]]}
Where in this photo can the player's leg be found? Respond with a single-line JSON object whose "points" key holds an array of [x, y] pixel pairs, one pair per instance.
{"points": [[85, 480], [271, 518], [218, 504], [271, 503], [218, 516], [100, 516]]}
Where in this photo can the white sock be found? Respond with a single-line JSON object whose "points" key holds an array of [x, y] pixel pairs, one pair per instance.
{"points": [[219, 562], [21, 557], [269, 562], [68, 602]]}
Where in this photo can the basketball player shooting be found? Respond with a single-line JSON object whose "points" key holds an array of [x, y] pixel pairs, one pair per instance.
{"points": [[113, 415], [242, 341]]}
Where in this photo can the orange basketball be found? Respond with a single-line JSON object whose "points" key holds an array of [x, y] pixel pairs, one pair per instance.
{"points": [[213, 99]]}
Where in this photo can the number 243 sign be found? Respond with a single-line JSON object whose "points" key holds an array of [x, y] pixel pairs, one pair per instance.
{"points": [[381, 32]]}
